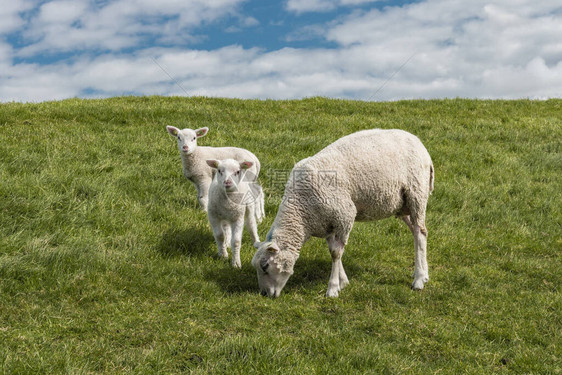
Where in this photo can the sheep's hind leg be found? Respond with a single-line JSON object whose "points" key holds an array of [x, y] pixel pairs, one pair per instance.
{"points": [[203, 194], [251, 224], [338, 278], [236, 242], [421, 274]]}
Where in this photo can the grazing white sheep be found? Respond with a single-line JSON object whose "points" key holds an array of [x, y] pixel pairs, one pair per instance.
{"points": [[365, 176], [194, 157], [233, 200]]}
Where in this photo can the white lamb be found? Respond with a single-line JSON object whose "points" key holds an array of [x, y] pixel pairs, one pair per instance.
{"points": [[233, 198], [194, 157], [365, 176]]}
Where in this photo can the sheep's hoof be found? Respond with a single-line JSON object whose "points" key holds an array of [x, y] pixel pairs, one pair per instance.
{"points": [[333, 291], [343, 282], [418, 284], [236, 265]]}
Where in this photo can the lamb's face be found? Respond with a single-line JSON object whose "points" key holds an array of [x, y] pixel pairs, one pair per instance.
{"points": [[187, 141], [229, 172], [187, 138], [272, 268]]}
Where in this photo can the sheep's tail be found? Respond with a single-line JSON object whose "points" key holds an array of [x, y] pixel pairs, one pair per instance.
{"points": [[431, 178], [257, 165]]}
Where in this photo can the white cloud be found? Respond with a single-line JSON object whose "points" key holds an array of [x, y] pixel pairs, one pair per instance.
{"points": [[75, 25], [11, 14], [535, 80], [230, 71], [508, 49], [305, 33], [5, 52], [303, 6], [65, 11], [456, 44], [250, 22]]}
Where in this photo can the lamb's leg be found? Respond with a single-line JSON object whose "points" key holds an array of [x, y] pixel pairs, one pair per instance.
{"points": [[219, 234], [421, 274], [227, 233], [259, 204], [251, 224], [203, 193], [338, 278], [236, 242]]}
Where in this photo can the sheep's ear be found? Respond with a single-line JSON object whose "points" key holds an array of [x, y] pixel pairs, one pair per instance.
{"points": [[213, 163], [273, 248], [172, 130], [201, 132], [246, 165]]}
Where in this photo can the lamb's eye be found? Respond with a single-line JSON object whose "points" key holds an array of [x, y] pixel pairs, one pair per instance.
{"points": [[220, 173], [237, 173], [193, 139]]}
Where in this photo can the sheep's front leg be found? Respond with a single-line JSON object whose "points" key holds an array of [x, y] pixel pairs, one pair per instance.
{"points": [[237, 227], [421, 272], [219, 235], [227, 233], [338, 278]]}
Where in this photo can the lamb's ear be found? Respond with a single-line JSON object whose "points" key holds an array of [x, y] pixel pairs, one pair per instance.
{"points": [[172, 130], [213, 163], [272, 248], [246, 165], [201, 132]]}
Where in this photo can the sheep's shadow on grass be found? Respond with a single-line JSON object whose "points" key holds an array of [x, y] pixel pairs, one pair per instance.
{"points": [[309, 274], [186, 242], [233, 280], [313, 272]]}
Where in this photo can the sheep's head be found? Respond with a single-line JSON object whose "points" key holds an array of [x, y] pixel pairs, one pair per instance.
{"points": [[273, 266], [187, 138], [229, 172]]}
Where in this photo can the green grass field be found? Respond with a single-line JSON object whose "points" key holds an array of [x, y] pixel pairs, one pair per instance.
{"points": [[107, 265]]}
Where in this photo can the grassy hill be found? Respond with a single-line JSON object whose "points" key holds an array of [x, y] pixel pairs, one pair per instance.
{"points": [[107, 265]]}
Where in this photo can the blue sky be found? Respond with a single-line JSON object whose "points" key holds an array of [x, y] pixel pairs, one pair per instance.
{"points": [[354, 49]]}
